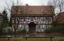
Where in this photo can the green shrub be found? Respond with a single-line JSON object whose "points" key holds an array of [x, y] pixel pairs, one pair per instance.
{"points": [[49, 29], [19, 30], [0, 31], [10, 32], [24, 31], [61, 40], [59, 28], [4, 31]]}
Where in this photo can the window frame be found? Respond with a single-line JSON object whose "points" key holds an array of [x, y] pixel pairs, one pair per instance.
{"points": [[19, 10], [39, 27], [24, 26], [38, 18], [31, 18], [29, 10], [47, 18], [24, 19], [41, 10]]}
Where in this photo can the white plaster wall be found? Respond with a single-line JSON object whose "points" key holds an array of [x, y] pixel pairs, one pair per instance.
{"points": [[50, 20], [19, 26], [40, 26], [42, 30], [27, 27], [24, 22], [43, 26], [37, 19]]}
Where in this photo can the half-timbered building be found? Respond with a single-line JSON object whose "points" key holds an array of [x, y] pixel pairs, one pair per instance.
{"points": [[33, 18]]}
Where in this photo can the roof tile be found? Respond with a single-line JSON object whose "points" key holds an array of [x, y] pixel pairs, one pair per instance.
{"points": [[33, 10], [59, 18], [1, 14]]}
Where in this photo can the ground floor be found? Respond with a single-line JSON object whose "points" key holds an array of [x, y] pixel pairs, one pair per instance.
{"points": [[32, 27], [33, 24]]}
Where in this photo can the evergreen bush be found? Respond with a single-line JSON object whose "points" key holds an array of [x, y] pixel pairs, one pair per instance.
{"points": [[24, 31]]}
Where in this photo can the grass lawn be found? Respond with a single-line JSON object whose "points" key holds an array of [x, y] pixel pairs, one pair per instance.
{"points": [[32, 39]]}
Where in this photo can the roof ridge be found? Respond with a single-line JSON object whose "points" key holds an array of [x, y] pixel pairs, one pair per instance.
{"points": [[37, 5]]}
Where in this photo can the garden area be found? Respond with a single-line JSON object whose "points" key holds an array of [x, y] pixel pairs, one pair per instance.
{"points": [[19, 31], [59, 28], [32, 39]]}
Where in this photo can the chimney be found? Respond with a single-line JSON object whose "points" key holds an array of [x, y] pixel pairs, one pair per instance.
{"points": [[26, 4]]}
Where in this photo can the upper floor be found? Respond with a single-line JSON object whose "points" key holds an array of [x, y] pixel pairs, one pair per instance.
{"points": [[36, 20]]}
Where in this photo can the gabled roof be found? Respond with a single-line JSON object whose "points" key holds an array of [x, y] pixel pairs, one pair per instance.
{"points": [[33, 10], [1, 14], [59, 18]]}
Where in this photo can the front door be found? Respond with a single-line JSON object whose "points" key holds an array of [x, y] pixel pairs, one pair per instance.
{"points": [[32, 27]]}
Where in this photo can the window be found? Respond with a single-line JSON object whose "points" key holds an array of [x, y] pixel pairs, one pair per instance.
{"points": [[24, 19], [29, 10], [19, 10], [24, 26], [38, 18], [41, 10], [31, 18], [47, 18], [16, 18], [46, 26], [39, 27]]}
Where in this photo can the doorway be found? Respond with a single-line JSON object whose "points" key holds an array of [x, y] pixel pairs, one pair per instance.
{"points": [[32, 27]]}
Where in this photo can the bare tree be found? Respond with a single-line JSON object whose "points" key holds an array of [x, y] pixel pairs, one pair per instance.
{"points": [[51, 11], [15, 10], [57, 4]]}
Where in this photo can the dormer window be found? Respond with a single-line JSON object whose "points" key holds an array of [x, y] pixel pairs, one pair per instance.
{"points": [[29, 10], [41, 10], [19, 10]]}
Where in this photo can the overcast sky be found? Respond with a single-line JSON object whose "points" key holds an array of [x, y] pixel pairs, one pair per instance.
{"points": [[29, 2]]}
